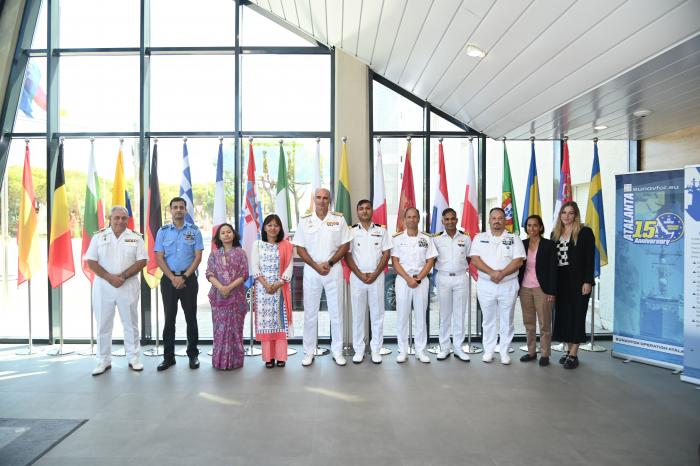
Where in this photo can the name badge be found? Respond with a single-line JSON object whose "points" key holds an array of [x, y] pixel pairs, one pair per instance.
{"points": [[422, 243]]}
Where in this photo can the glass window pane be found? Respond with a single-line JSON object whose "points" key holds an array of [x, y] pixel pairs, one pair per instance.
{"points": [[437, 123], [99, 23], [286, 92], [202, 153], [31, 112], [76, 291], [99, 93], [190, 24], [192, 93], [256, 30], [392, 112], [39, 40], [14, 312]]}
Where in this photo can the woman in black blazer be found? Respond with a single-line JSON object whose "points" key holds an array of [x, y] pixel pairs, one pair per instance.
{"points": [[538, 285], [575, 249]]}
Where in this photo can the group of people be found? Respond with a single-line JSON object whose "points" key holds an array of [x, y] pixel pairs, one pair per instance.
{"points": [[546, 274]]}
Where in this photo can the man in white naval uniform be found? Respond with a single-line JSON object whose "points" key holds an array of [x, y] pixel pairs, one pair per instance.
{"points": [[452, 283], [322, 240], [498, 256], [412, 256], [116, 255], [368, 256]]}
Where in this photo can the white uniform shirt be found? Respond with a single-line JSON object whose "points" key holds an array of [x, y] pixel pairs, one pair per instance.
{"points": [[367, 246], [322, 238], [115, 255], [497, 252], [413, 251], [452, 252]]}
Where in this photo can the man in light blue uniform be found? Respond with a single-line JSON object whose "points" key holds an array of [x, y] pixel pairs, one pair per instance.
{"points": [[178, 250]]}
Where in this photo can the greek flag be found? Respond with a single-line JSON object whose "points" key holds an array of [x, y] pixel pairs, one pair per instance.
{"points": [[186, 185]]}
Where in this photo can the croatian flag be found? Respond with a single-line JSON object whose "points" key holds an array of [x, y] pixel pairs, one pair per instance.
{"points": [[186, 185], [219, 195], [379, 199], [442, 201], [251, 212]]}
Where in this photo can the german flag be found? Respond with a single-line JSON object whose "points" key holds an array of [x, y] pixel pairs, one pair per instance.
{"points": [[152, 272], [60, 265]]}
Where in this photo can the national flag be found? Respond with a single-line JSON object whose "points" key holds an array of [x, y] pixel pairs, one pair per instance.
{"points": [[595, 218], [120, 194], [282, 208], [28, 257], [533, 205], [186, 185], [219, 216], [470, 212], [154, 220], [32, 92], [315, 173], [442, 200], [379, 215], [251, 210], [407, 196], [60, 263], [564, 194], [508, 197], [93, 213], [343, 203]]}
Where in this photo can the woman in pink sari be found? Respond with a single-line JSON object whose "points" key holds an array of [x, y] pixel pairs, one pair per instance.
{"points": [[227, 270], [271, 265]]}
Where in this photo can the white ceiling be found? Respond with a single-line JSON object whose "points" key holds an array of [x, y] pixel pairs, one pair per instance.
{"points": [[552, 66]]}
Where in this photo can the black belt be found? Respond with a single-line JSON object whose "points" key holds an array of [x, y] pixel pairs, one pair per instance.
{"points": [[180, 274]]}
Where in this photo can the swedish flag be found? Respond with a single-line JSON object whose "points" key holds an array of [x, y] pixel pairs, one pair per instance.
{"points": [[595, 219]]}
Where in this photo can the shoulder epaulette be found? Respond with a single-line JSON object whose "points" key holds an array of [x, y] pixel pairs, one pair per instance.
{"points": [[192, 225], [306, 215], [101, 230], [427, 234], [138, 233], [461, 231], [439, 234], [340, 214], [355, 225], [396, 234]]}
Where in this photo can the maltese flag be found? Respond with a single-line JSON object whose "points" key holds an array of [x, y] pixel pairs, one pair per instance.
{"points": [[442, 201]]}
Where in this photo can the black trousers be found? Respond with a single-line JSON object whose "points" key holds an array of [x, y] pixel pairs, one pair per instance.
{"points": [[188, 298]]}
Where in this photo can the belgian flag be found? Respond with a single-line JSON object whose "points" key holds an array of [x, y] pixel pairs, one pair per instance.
{"points": [[60, 267]]}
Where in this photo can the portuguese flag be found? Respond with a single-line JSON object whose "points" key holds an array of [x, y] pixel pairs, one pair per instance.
{"points": [[60, 266], [508, 197]]}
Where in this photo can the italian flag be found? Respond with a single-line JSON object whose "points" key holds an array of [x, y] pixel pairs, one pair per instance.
{"points": [[282, 208]]}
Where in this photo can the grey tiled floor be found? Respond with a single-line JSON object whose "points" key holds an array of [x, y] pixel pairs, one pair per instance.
{"points": [[444, 413]]}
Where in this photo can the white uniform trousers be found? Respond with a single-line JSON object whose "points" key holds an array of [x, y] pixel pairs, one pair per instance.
{"points": [[104, 299], [314, 284], [497, 305], [453, 295], [362, 294], [406, 296]]}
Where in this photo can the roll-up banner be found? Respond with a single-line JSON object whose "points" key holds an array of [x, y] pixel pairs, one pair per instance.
{"points": [[691, 356], [649, 245]]}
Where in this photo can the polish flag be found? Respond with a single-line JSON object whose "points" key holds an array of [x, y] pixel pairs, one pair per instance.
{"points": [[470, 213], [442, 200], [379, 199]]}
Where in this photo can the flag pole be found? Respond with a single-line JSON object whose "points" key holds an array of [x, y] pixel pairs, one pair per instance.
{"points": [[383, 350], [60, 351], [30, 349], [469, 348], [156, 351], [591, 346], [252, 350]]}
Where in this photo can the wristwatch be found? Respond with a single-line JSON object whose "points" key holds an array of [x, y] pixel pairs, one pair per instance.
{"points": [[330, 262], [416, 278]]}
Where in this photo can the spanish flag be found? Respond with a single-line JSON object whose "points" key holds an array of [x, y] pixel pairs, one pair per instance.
{"points": [[60, 265], [28, 257], [120, 195]]}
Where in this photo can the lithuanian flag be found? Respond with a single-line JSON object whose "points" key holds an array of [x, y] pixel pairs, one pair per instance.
{"points": [[60, 265], [342, 203]]}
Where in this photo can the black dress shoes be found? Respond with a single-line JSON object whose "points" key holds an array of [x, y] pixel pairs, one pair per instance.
{"points": [[194, 362], [528, 357], [544, 361], [166, 364]]}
